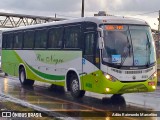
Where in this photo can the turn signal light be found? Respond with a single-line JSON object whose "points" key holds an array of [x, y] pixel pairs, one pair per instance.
{"points": [[151, 83]]}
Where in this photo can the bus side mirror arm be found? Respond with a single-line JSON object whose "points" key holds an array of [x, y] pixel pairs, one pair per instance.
{"points": [[100, 38], [101, 43]]}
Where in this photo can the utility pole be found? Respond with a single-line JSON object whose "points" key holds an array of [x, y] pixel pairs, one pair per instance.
{"points": [[159, 23], [82, 14], [159, 27]]}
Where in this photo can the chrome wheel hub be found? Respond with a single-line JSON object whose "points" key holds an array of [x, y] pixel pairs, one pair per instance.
{"points": [[75, 86]]}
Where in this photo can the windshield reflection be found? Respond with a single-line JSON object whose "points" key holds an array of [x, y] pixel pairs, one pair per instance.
{"points": [[128, 46], [140, 48]]}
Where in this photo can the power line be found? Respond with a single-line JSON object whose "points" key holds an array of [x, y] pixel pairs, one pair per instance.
{"points": [[148, 12], [159, 23]]}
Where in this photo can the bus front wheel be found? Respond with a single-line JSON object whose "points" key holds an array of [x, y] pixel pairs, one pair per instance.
{"points": [[74, 88], [22, 78]]}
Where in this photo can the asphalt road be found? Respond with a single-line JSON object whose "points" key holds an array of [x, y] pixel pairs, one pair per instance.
{"points": [[59, 103]]}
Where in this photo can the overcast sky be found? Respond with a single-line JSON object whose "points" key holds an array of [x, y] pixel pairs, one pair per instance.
{"points": [[72, 8]]}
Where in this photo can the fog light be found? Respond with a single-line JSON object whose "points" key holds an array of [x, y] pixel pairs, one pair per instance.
{"points": [[107, 89], [153, 87]]}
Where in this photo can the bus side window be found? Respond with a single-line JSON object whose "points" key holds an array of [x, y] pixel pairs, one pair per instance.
{"points": [[55, 38], [72, 37], [41, 38], [28, 39], [18, 38], [9, 41], [4, 40], [89, 46]]}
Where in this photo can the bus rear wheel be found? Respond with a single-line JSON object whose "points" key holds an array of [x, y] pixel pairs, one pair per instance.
{"points": [[74, 88], [22, 78]]}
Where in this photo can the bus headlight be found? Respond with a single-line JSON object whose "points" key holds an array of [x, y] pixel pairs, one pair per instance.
{"points": [[107, 89], [154, 87], [109, 77], [153, 76]]}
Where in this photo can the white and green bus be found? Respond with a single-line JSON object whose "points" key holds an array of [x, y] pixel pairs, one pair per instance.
{"points": [[106, 55]]}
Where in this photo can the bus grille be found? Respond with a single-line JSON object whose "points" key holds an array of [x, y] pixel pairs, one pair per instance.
{"points": [[132, 71], [133, 88]]}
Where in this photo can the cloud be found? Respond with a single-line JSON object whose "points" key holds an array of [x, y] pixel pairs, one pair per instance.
{"points": [[128, 6], [72, 8], [134, 5], [41, 6]]}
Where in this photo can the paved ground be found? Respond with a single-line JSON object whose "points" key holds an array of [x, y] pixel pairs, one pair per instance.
{"points": [[46, 98]]}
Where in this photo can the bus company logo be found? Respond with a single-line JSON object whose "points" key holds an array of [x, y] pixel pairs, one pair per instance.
{"points": [[6, 114], [51, 59]]}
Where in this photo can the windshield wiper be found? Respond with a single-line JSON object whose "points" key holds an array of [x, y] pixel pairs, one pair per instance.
{"points": [[129, 47], [126, 52], [148, 45]]}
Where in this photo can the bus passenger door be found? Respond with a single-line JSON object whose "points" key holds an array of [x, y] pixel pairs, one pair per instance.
{"points": [[88, 60]]}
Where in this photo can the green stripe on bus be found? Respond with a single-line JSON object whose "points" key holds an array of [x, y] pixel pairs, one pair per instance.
{"points": [[43, 75], [47, 76]]}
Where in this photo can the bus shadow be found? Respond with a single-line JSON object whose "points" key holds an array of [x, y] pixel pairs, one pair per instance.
{"points": [[56, 89], [27, 87], [116, 102]]}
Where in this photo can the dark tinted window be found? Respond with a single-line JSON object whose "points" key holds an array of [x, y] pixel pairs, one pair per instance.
{"points": [[9, 40], [89, 43], [18, 38], [28, 39], [4, 40], [55, 38], [89, 26], [41, 38], [72, 37]]}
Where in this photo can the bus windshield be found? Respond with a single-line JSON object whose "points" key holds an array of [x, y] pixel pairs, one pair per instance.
{"points": [[128, 45]]}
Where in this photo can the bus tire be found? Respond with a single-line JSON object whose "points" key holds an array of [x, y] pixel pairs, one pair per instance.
{"points": [[74, 87], [22, 78], [5, 74]]}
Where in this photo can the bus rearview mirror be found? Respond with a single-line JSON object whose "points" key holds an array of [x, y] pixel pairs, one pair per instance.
{"points": [[101, 43], [100, 39]]}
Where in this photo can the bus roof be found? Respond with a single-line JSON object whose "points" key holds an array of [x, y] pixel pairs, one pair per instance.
{"points": [[96, 19]]}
